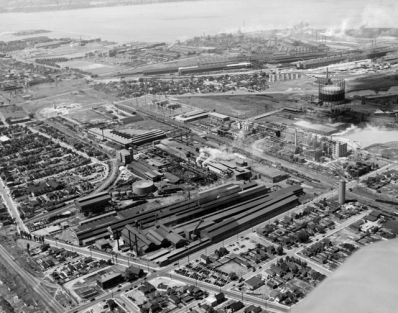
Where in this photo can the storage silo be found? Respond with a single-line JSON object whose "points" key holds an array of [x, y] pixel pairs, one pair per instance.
{"points": [[143, 187], [342, 184]]}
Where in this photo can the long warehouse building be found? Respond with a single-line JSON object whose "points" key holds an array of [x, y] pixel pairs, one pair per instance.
{"points": [[172, 215]]}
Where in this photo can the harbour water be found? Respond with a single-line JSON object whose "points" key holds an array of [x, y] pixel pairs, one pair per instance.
{"points": [[180, 20]]}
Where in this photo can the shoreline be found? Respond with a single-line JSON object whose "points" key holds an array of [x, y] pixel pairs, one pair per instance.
{"points": [[88, 5]]}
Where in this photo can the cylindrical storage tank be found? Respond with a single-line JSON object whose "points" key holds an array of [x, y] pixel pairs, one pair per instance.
{"points": [[143, 187], [332, 93], [342, 191]]}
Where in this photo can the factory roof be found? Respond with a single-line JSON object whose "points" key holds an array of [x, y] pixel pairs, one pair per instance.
{"points": [[193, 113], [95, 224], [94, 198], [191, 118], [108, 134], [172, 178], [146, 137], [108, 276], [218, 115], [268, 171]]}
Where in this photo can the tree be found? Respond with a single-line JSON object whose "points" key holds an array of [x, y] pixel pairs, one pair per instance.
{"points": [[302, 236], [279, 250], [233, 276], [28, 248]]}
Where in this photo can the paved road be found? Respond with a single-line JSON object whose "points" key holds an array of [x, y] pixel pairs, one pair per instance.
{"points": [[41, 292], [12, 208], [111, 177]]}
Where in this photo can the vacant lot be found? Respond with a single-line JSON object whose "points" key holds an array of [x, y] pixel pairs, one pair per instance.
{"points": [[344, 236], [169, 282], [232, 266], [88, 115], [136, 296], [234, 105], [91, 66], [13, 111], [387, 150], [65, 94], [145, 125]]}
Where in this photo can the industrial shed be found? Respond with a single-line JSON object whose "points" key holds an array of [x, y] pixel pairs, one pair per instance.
{"points": [[93, 203]]}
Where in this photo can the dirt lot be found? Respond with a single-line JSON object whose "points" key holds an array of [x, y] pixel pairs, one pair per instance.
{"points": [[136, 296], [388, 150], [166, 281], [375, 82], [66, 93], [145, 125], [304, 85], [13, 111], [88, 115], [235, 105], [344, 236], [88, 65], [232, 266]]}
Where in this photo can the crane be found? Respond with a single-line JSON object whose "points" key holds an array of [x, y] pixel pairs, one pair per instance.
{"points": [[194, 231]]}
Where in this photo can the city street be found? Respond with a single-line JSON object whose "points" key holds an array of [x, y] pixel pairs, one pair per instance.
{"points": [[32, 281], [12, 208]]}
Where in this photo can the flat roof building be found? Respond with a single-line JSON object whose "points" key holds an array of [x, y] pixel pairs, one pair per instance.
{"points": [[93, 203], [272, 174], [109, 280], [218, 117]]}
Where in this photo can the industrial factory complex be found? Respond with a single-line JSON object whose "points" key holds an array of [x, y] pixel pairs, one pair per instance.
{"points": [[203, 175], [189, 226]]}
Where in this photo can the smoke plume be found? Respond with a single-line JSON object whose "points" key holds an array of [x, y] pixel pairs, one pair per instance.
{"points": [[210, 154]]}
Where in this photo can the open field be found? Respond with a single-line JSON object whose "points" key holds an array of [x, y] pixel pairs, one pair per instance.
{"points": [[11, 111], [387, 150], [144, 125], [235, 105], [90, 66], [303, 85], [87, 115], [46, 95], [69, 103], [375, 82]]}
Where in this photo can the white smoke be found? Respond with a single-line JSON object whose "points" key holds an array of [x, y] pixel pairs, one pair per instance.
{"points": [[337, 30], [210, 154]]}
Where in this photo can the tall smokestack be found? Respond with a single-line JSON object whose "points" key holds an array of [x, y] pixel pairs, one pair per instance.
{"points": [[136, 244], [342, 191]]}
